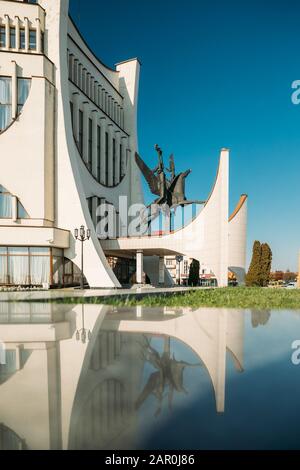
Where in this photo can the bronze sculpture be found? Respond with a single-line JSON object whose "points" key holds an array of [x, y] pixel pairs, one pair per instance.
{"points": [[169, 191]]}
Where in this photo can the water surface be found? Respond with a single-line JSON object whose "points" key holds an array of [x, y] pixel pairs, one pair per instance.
{"points": [[97, 377]]}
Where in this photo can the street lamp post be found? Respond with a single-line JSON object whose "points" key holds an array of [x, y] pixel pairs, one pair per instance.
{"points": [[179, 259], [83, 334], [82, 236]]}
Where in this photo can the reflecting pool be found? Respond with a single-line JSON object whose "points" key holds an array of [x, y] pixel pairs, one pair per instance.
{"points": [[99, 377]]}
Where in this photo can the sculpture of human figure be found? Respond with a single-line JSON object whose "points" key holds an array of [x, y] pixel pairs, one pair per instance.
{"points": [[160, 170], [171, 170]]}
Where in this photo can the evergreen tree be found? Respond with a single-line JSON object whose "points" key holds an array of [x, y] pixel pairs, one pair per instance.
{"points": [[265, 264], [194, 274], [260, 267], [253, 275]]}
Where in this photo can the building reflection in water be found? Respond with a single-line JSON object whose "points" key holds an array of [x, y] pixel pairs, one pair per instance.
{"points": [[57, 392]]}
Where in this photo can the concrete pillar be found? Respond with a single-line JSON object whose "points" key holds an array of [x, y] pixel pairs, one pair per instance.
{"points": [[139, 311], [38, 36], [7, 37], [102, 161], [14, 203], [14, 90], [110, 154], [26, 34], [139, 266], [161, 273], [17, 25], [118, 141]]}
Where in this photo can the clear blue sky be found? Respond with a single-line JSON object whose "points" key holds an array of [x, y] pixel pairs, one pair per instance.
{"points": [[216, 74]]}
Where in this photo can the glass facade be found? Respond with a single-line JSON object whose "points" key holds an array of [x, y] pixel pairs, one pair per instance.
{"points": [[24, 85], [124, 269], [35, 266], [5, 102]]}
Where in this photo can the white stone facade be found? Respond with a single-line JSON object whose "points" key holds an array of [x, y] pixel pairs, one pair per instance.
{"points": [[68, 146], [68, 138]]}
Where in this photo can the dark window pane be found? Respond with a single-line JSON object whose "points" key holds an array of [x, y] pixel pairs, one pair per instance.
{"points": [[32, 40], [2, 36], [12, 38], [22, 39]]}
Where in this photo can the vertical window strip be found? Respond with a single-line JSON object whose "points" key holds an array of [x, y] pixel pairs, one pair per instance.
{"points": [[90, 150], [106, 158], [98, 153]]}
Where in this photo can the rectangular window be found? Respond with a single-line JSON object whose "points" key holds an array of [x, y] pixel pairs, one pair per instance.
{"points": [[83, 80], [96, 95], [70, 63], [121, 160], [90, 154], [2, 36], [80, 133], [5, 102], [90, 204], [106, 158], [114, 162], [12, 37], [24, 85], [98, 153], [32, 40], [22, 39], [79, 76], [72, 116], [75, 73]]}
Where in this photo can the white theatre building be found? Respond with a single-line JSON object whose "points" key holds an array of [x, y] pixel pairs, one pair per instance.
{"points": [[68, 137]]}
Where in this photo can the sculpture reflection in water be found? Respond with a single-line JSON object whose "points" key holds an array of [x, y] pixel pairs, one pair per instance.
{"points": [[91, 394], [168, 375]]}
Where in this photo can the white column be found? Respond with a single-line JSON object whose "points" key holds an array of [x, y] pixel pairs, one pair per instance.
{"points": [[14, 90], [139, 266], [110, 154], [17, 25], [95, 123], [102, 161], [26, 34], [14, 203], [38, 36], [118, 141], [7, 38], [76, 116], [161, 277], [85, 131]]}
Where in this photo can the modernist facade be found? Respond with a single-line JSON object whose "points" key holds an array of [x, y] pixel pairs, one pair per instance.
{"points": [[68, 137]]}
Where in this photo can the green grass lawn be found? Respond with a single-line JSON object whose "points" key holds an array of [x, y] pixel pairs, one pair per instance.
{"points": [[232, 297]]}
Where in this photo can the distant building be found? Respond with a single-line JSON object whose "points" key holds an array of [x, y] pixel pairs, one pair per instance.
{"points": [[179, 271]]}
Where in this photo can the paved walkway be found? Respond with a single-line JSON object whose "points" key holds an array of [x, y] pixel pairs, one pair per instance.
{"points": [[59, 294]]}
